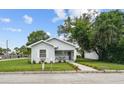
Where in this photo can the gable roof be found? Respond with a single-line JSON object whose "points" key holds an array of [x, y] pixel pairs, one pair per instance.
{"points": [[61, 41], [40, 42], [46, 41]]}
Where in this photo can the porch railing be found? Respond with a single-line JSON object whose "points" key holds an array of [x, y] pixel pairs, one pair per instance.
{"points": [[62, 57]]}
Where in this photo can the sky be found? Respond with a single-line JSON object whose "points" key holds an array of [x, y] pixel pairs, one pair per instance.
{"points": [[16, 25]]}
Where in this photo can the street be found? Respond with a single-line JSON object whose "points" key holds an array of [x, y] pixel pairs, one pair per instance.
{"points": [[66, 78]]}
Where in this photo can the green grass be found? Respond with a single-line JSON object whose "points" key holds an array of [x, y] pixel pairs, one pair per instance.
{"points": [[24, 65], [101, 65]]}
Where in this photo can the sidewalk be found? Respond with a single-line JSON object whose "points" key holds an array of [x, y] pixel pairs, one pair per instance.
{"points": [[12, 59], [83, 67]]}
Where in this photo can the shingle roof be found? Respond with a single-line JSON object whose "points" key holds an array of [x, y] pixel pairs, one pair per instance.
{"points": [[46, 41]]}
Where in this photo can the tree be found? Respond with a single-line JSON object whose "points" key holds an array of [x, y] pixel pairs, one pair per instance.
{"points": [[1, 50], [17, 50], [116, 54], [66, 29], [69, 23], [102, 34], [81, 31], [121, 41], [108, 27], [77, 30], [23, 50], [6, 50], [36, 36]]}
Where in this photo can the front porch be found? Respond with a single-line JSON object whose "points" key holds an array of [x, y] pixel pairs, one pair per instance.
{"points": [[64, 55]]}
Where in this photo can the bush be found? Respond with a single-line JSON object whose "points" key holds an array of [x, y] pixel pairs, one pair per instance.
{"points": [[78, 56], [45, 62], [60, 61], [76, 68], [34, 62], [40, 62], [29, 62], [64, 61], [116, 54], [79, 60]]}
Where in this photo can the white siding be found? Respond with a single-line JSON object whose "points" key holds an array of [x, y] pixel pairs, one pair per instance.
{"points": [[90, 55], [50, 52], [63, 46]]}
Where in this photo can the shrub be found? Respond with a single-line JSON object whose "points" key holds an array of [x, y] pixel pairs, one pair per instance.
{"points": [[34, 62], [45, 62], [83, 60], [60, 61], [40, 62], [79, 60], [116, 54], [78, 56], [64, 61], [76, 68], [29, 62]]}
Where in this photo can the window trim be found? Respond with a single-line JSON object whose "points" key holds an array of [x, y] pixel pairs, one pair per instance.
{"points": [[44, 53]]}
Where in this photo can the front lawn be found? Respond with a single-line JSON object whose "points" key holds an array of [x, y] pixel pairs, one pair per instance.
{"points": [[101, 65], [24, 65]]}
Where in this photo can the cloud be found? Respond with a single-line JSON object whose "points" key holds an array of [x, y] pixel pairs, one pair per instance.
{"points": [[78, 12], [48, 33], [28, 19], [75, 12], [60, 15], [62, 37], [13, 29], [5, 20]]}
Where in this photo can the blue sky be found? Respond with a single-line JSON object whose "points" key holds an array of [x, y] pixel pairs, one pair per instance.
{"points": [[15, 28], [16, 25]]}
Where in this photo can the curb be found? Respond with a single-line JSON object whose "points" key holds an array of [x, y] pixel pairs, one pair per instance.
{"points": [[114, 71], [38, 72], [63, 72]]}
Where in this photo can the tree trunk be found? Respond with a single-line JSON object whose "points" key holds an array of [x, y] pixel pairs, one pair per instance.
{"points": [[82, 54], [102, 54]]}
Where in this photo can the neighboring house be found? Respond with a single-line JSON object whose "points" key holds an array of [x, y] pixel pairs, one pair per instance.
{"points": [[91, 55], [53, 49]]}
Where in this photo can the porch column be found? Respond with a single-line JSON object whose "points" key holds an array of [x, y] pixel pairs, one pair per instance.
{"points": [[75, 54]]}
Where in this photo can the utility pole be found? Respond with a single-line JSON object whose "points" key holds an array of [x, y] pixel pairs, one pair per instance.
{"points": [[7, 48]]}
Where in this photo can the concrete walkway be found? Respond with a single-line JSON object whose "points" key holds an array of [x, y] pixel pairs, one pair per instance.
{"points": [[83, 67]]}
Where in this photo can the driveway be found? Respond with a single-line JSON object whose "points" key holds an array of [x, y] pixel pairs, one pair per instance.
{"points": [[67, 78]]}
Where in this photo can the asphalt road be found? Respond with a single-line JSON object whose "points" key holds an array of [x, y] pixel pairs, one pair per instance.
{"points": [[67, 78]]}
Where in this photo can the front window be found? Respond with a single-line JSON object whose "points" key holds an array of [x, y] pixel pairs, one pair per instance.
{"points": [[43, 54]]}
